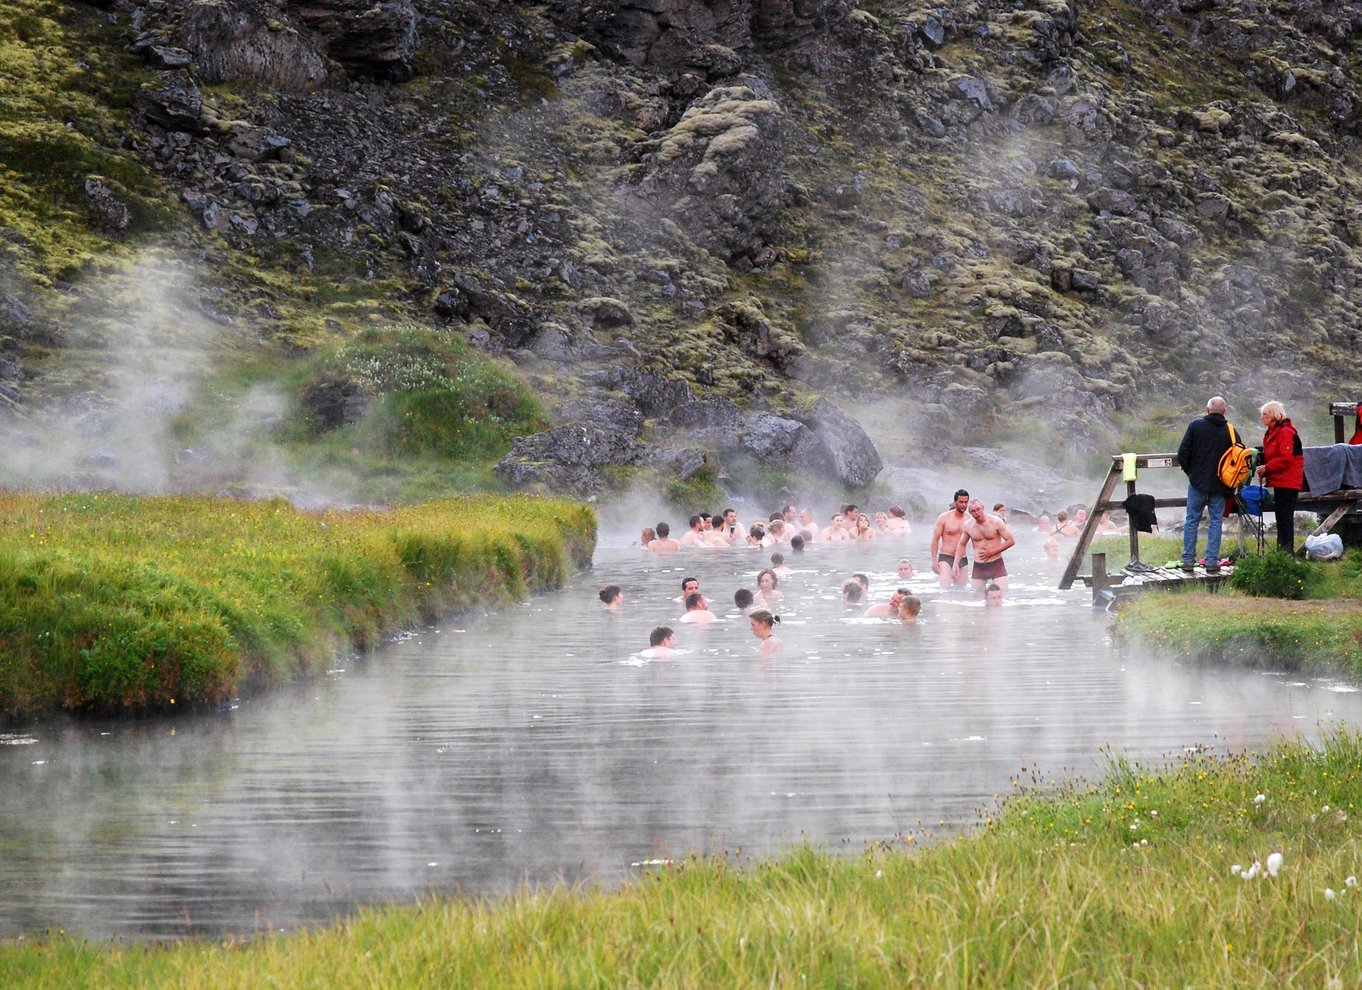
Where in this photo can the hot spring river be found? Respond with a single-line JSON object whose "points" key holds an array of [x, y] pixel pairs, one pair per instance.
{"points": [[489, 750]]}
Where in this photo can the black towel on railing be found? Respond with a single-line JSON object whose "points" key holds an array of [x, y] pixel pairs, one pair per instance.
{"points": [[1140, 508]]}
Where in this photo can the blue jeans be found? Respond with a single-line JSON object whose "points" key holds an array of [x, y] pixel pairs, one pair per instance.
{"points": [[1197, 500]]}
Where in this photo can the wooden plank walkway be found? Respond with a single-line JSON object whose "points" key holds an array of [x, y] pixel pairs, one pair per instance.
{"points": [[1114, 589]]}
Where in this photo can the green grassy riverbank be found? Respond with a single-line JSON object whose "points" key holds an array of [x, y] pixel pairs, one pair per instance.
{"points": [[113, 602], [1318, 628], [1148, 878]]}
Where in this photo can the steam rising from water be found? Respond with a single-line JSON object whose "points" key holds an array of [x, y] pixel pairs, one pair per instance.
{"points": [[141, 348]]}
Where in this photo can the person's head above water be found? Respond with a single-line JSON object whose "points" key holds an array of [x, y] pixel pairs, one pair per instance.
{"points": [[660, 636]]}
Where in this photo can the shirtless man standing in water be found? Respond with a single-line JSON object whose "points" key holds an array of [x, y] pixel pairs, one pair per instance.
{"points": [[991, 537], [946, 537]]}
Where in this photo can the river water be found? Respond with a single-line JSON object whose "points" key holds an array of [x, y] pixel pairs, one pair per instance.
{"points": [[533, 744]]}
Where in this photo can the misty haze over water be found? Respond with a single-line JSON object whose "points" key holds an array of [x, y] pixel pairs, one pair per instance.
{"points": [[527, 745]]}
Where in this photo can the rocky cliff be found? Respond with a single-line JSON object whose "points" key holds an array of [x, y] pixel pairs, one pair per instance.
{"points": [[687, 220]]}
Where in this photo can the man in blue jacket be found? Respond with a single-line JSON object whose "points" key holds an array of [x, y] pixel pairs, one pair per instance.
{"points": [[1206, 440]]}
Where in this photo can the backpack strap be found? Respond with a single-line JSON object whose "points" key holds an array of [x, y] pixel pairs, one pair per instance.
{"points": [[1234, 440]]}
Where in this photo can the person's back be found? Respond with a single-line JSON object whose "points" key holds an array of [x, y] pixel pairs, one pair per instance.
{"points": [[664, 539], [1203, 444], [697, 609]]}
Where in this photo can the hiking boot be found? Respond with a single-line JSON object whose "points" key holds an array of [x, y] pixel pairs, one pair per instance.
{"points": [[1189, 568], [1212, 569]]}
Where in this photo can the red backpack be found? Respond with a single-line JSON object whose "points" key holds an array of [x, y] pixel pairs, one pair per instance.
{"points": [[1357, 433]]}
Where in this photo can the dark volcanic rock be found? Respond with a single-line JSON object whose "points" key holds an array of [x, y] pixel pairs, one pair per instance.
{"points": [[568, 459], [375, 37], [655, 394], [330, 404], [855, 461], [248, 41], [174, 102], [717, 172], [114, 215]]}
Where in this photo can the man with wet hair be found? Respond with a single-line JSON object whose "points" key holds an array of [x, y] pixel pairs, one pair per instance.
{"points": [[905, 569], [695, 536], [886, 610], [950, 525], [1205, 442], [729, 527], [991, 536], [689, 586], [697, 609], [743, 598], [661, 644], [993, 596], [664, 541]]}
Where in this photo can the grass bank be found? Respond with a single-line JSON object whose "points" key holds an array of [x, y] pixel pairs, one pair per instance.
{"points": [[113, 602], [1147, 878], [1318, 628]]}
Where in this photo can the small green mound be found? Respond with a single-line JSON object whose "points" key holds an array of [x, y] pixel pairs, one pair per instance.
{"points": [[429, 394], [1275, 574]]}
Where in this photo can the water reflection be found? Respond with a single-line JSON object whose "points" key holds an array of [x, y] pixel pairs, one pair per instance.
{"points": [[525, 745]]}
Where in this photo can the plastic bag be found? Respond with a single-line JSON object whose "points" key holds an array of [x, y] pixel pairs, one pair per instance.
{"points": [[1328, 546]]}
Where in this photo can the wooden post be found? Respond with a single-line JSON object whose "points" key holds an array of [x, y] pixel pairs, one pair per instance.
{"points": [[1085, 537], [1099, 574]]}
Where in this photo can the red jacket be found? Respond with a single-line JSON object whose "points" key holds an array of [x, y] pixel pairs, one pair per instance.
{"points": [[1283, 456]]}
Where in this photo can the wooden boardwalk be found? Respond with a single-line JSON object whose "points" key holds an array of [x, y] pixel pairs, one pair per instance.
{"points": [[1112, 589]]}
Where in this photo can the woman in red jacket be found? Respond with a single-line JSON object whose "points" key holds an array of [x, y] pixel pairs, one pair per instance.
{"points": [[1283, 469]]}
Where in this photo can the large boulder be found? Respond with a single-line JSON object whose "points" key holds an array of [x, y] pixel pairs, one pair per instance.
{"points": [[818, 441], [850, 452], [569, 459], [717, 173], [249, 41], [372, 37], [174, 101]]}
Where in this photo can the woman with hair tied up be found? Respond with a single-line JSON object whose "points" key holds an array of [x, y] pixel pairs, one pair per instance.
{"points": [[761, 622], [1282, 470]]}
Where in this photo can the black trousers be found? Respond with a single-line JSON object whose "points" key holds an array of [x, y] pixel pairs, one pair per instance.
{"points": [[1284, 505]]}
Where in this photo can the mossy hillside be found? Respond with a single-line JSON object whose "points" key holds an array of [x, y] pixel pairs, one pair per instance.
{"points": [[112, 602], [1156, 876], [65, 95], [905, 262]]}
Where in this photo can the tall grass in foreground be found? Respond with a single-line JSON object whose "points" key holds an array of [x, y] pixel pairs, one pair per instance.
{"points": [[1146, 879], [112, 601]]}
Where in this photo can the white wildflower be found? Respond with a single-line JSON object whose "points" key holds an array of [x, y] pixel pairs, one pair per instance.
{"points": [[1236, 869], [1259, 798], [1274, 863], [1329, 894]]}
